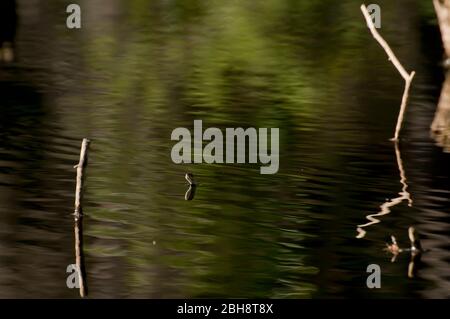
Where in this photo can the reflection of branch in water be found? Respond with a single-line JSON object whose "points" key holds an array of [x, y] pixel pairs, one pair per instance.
{"points": [[8, 26], [78, 214], [440, 128], [415, 250], [412, 266], [190, 193], [79, 256], [386, 207], [393, 248]]}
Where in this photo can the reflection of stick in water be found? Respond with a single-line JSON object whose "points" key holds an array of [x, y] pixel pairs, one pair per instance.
{"points": [[79, 256], [415, 250], [192, 186], [440, 128], [412, 266], [190, 179], [190, 193], [386, 207], [8, 26], [393, 248]]}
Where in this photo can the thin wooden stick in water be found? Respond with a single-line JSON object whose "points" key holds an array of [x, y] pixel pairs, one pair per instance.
{"points": [[79, 256], [407, 77], [80, 177]]}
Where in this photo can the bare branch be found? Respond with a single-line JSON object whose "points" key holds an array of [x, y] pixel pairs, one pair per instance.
{"points": [[407, 77]]}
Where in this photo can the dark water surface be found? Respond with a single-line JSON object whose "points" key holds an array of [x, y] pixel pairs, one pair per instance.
{"points": [[139, 69]]}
